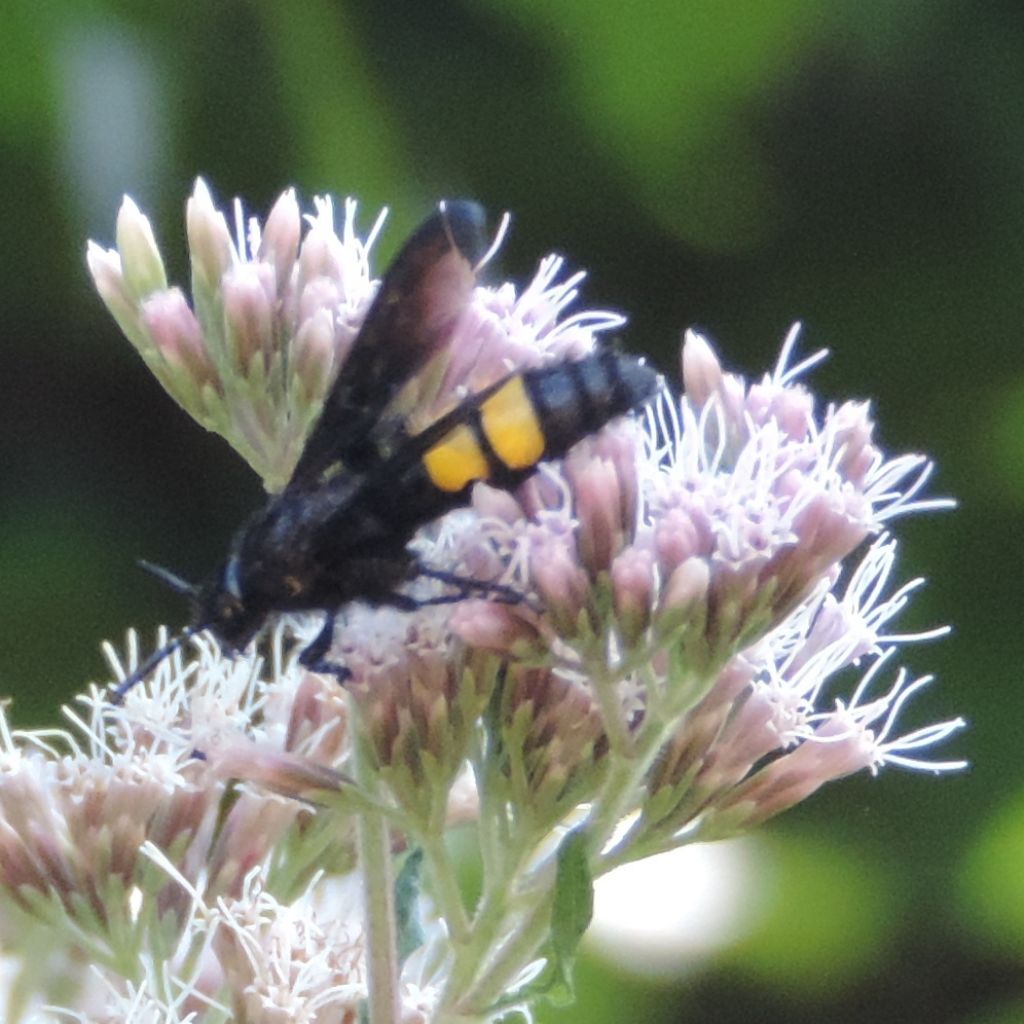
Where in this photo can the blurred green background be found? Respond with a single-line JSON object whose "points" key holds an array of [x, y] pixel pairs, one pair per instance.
{"points": [[736, 165]]}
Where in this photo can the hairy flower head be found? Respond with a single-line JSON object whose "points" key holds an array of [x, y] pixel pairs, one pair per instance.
{"points": [[688, 626]]}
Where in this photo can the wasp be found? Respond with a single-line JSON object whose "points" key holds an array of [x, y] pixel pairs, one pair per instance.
{"points": [[340, 530]]}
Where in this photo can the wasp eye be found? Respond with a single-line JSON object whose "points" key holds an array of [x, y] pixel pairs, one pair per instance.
{"points": [[228, 607]]}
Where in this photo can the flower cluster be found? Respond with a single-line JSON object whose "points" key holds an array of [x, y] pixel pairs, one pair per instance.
{"points": [[697, 585], [274, 313]]}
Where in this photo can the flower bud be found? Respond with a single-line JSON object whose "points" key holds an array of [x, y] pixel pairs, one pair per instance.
{"points": [[632, 576], [853, 430], [599, 509], [140, 258], [312, 354], [496, 503], [489, 626], [176, 333], [287, 774], [686, 586], [702, 372], [318, 253], [793, 410], [108, 277], [209, 241], [279, 243], [676, 538], [561, 582], [247, 316], [837, 749]]}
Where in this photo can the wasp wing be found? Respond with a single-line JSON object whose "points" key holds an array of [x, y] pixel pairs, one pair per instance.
{"points": [[419, 300]]}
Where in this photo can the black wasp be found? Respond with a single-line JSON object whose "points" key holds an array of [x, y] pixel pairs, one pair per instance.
{"points": [[362, 487]]}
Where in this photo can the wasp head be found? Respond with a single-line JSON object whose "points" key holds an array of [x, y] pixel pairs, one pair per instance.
{"points": [[221, 607], [218, 607]]}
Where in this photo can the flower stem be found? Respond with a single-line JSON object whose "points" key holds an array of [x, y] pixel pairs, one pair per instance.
{"points": [[374, 847], [446, 887], [604, 685], [625, 777], [515, 953]]}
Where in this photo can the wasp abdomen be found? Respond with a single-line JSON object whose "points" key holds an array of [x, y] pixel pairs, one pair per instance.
{"points": [[534, 415]]}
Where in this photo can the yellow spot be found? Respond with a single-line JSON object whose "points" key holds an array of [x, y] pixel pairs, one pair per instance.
{"points": [[511, 425], [456, 460]]}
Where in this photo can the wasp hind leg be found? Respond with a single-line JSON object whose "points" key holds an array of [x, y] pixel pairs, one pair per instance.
{"points": [[314, 656], [466, 586]]}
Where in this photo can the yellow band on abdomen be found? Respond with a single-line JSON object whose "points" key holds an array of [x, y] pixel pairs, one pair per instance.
{"points": [[456, 460], [511, 426]]}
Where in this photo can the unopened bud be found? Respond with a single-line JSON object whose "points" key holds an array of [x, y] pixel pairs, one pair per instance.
{"points": [[312, 353], [279, 244], [490, 626], [702, 372], [141, 263], [632, 585], [560, 581], [176, 333], [209, 241], [247, 315], [108, 277]]}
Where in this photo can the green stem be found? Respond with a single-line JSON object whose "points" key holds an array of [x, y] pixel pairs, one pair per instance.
{"points": [[624, 779], [605, 688], [446, 887], [374, 847], [496, 908], [497, 856], [486, 925], [517, 951]]}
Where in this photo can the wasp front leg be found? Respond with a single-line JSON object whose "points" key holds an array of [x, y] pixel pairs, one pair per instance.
{"points": [[314, 656]]}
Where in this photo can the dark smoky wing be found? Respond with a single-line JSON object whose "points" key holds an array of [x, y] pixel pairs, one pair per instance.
{"points": [[420, 298]]}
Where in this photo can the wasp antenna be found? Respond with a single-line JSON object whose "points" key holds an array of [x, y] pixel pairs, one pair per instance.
{"points": [[442, 208], [172, 580], [136, 677], [499, 239]]}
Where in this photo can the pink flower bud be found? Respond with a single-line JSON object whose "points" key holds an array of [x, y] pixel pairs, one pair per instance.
{"points": [[676, 538], [495, 503], [318, 254], [853, 429], [838, 749], [632, 576], [312, 353], [209, 241], [490, 626], [560, 581], [108, 277], [287, 774], [702, 372], [686, 587], [318, 719], [140, 258], [320, 293], [279, 244], [599, 508], [247, 314], [176, 333], [793, 409]]}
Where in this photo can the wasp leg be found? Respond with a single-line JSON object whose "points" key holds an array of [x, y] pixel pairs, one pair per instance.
{"points": [[314, 657], [466, 586]]}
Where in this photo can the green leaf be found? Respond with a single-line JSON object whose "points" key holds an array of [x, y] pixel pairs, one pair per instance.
{"points": [[407, 893], [574, 895], [571, 910]]}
